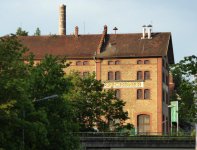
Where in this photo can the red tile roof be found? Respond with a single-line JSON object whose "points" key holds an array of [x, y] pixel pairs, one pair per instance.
{"points": [[82, 47], [113, 45]]}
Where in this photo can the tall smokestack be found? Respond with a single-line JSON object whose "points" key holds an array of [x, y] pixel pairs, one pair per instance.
{"points": [[62, 19]]}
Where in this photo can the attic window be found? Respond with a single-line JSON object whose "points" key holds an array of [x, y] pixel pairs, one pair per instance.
{"points": [[139, 62], [85, 63], [78, 63], [117, 62], [146, 62], [110, 62]]}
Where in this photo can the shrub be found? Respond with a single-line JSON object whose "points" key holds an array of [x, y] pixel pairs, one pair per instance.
{"points": [[193, 133]]}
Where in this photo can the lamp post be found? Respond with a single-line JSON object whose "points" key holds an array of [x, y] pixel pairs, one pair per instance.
{"points": [[46, 98], [171, 106]]}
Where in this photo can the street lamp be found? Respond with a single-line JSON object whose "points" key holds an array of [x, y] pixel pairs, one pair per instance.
{"points": [[171, 106], [46, 98]]}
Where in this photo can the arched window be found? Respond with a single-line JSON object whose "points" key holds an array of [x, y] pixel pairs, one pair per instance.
{"points": [[139, 75], [117, 75], [78, 63], [110, 62], [146, 75], [146, 94], [80, 74], [117, 62], [118, 94], [143, 123], [139, 94], [146, 62], [85, 75], [110, 76], [139, 62], [85, 63]]}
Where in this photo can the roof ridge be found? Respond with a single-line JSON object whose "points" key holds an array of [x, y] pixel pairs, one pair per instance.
{"points": [[102, 39]]}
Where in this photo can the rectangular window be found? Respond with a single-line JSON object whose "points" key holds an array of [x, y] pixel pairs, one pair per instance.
{"points": [[117, 75], [163, 96], [166, 98], [139, 94], [85, 75], [166, 80], [110, 76], [139, 75], [163, 78]]}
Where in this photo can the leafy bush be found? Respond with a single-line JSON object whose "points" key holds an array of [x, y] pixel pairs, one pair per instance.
{"points": [[193, 133]]}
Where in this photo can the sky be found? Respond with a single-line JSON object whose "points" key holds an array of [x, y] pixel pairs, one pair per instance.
{"points": [[176, 16]]}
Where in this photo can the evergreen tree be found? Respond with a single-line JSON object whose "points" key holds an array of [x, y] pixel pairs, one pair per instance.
{"points": [[20, 32], [38, 32]]}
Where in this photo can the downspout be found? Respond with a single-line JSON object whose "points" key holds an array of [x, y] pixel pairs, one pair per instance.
{"points": [[94, 57]]}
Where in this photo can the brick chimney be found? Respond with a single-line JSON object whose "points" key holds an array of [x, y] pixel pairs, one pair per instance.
{"points": [[76, 31], [62, 19], [105, 29]]}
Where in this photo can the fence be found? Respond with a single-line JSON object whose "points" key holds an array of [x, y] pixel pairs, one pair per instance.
{"points": [[133, 137]]}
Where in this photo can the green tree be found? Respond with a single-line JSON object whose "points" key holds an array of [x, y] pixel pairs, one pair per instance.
{"points": [[178, 80], [52, 34], [93, 105], [14, 78], [38, 32], [187, 67], [47, 79], [20, 32], [47, 124]]}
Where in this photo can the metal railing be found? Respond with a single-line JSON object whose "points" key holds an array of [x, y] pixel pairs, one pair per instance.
{"points": [[135, 137]]}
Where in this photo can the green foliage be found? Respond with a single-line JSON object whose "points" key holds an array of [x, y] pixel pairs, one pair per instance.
{"points": [[20, 32], [52, 34], [187, 67], [14, 99], [193, 133], [38, 32], [47, 78], [93, 105], [47, 124]]}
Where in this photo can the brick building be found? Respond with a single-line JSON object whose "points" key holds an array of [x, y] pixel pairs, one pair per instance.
{"points": [[135, 65]]}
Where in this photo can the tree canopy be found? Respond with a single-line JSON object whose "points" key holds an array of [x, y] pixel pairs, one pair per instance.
{"points": [[47, 124], [38, 32], [20, 32], [94, 105], [187, 67]]}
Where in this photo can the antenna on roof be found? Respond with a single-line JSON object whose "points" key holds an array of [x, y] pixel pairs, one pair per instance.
{"points": [[152, 25], [84, 27]]}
